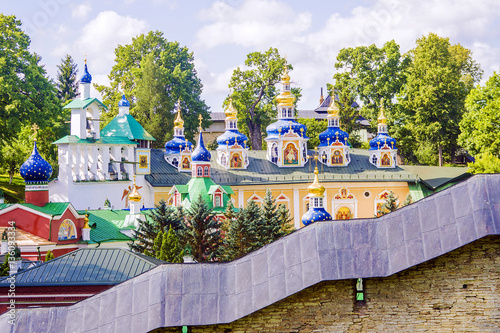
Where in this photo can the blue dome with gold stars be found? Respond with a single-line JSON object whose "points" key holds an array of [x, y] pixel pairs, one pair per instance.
{"points": [[233, 137], [35, 169], [380, 140], [200, 153], [86, 77], [331, 135], [123, 101], [273, 130], [177, 144], [315, 215]]}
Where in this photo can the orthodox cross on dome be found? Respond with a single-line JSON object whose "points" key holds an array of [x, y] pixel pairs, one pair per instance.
{"points": [[35, 129], [200, 118]]}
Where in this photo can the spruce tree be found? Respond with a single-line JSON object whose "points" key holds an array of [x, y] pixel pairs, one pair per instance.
{"points": [[173, 249], [285, 221], [389, 205], [157, 219], [201, 230], [408, 200], [157, 244], [270, 222], [229, 216], [66, 82], [5, 269], [252, 217], [238, 240]]}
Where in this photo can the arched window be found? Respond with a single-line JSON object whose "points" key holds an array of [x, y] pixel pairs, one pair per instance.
{"points": [[199, 172], [274, 153], [374, 159], [223, 159], [283, 113], [206, 172], [290, 113], [324, 156], [175, 162], [217, 202], [330, 123]]}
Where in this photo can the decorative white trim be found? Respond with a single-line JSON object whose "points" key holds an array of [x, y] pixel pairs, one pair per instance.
{"points": [[296, 208]]}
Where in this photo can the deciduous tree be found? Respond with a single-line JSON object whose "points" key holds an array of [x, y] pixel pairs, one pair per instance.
{"points": [[154, 73], [480, 125], [254, 92]]}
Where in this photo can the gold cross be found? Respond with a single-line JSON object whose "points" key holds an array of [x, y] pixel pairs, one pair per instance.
{"points": [[200, 117], [85, 58], [35, 129]]}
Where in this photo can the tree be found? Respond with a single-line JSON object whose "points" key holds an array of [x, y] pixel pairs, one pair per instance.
{"points": [[158, 219], [480, 124], [275, 221], [238, 239], [201, 231], [254, 92], [390, 204], [26, 95], [173, 251], [49, 256], [157, 245], [14, 153], [5, 268], [371, 74], [485, 163], [154, 73], [314, 129], [66, 82], [432, 101]]}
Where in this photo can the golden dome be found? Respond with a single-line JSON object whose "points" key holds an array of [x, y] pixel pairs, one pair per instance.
{"points": [[285, 98], [333, 109], [382, 119], [231, 112], [316, 189], [134, 194], [86, 221], [178, 122]]}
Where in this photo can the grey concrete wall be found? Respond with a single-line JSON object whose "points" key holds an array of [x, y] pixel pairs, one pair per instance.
{"points": [[203, 294]]}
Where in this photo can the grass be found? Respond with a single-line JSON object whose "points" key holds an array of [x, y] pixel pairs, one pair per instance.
{"points": [[14, 192]]}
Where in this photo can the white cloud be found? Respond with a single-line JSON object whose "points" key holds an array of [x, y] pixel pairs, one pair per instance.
{"points": [[101, 36], [81, 11], [257, 25]]}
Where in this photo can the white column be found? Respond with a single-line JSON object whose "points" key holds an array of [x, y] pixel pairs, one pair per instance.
{"points": [[94, 160], [105, 162], [72, 162], [241, 201], [85, 158], [130, 158], [116, 156], [296, 208]]}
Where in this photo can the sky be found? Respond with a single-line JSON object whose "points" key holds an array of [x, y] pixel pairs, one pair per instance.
{"points": [[221, 33]]}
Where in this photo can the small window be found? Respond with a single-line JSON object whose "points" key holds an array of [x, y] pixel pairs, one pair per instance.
{"points": [[217, 201], [175, 162], [274, 153], [223, 159], [200, 172], [374, 159], [206, 172]]}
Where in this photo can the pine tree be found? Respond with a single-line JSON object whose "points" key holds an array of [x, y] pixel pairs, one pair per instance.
{"points": [[238, 240], [270, 222], [408, 200], [285, 221], [201, 230], [157, 244], [173, 250], [389, 205], [5, 269], [49, 256], [229, 216], [66, 82], [252, 217], [157, 219]]}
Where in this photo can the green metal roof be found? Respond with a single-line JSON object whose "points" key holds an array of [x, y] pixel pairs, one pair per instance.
{"points": [[434, 176], [112, 140], [52, 208], [83, 103], [106, 225], [261, 172], [182, 188], [87, 267], [126, 126]]}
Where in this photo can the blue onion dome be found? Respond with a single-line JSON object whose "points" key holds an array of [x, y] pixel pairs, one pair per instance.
{"points": [[200, 153], [86, 77], [382, 137], [331, 135], [177, 144], [124, 102], [283, 125], [232, 137], [35, 168], [315, 214]]}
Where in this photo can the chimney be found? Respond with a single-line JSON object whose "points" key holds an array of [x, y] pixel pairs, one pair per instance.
{"points": [[321, 98]]}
